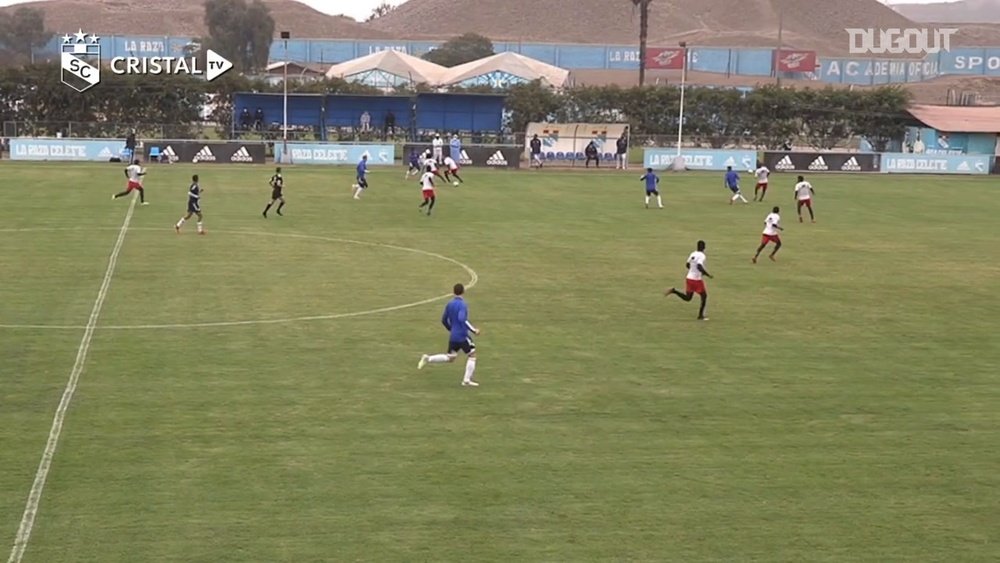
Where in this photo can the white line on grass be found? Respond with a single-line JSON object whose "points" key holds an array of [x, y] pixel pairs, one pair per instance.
{"points": [[35, 495], [473, 280]]}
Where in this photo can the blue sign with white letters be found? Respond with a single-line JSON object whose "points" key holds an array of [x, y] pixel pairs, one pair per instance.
{"points": [[76, 150], [327, 153], [701, 159], [908, 163]]}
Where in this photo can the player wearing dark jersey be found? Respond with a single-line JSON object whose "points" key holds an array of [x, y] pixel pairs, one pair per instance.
{"points": [[277, 185], [194, 206], [456, 321]]}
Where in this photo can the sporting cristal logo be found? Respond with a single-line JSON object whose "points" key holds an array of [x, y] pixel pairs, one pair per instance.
{"points": [[80, 66], [666, 58]]}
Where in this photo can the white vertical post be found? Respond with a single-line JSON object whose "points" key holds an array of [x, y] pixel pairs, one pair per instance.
{"points": [[680, 116], [284, 117]]}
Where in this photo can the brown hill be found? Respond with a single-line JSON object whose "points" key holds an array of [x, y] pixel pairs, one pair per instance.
{"points": [[185, 18], [963, 11], [702, 22]]}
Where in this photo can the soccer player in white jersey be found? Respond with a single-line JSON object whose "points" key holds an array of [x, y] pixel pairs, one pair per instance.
{"points": [[762, 173], [427, 189], [772, 226], [803, 198], [451, 169], [430, 164], [134, 172], [438, 145], [694, 283]]}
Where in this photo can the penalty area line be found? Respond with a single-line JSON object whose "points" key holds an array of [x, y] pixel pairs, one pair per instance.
{"points": [[38, 486]]}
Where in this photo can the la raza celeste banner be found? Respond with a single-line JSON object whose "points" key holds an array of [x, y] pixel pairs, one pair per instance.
{"points": [[908, 163], [326, 153], [70, 150], [489, 156], [701, 159]]}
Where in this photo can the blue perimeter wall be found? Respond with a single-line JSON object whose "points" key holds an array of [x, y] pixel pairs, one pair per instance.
{"points": [[983, 61]]}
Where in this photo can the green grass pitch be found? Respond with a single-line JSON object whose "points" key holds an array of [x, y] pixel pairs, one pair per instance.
{"points": [[841, 404]]}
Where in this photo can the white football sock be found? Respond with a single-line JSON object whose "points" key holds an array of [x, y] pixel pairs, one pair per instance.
{"points": [[647, 200], [659, 201], [438, 359], [735, 197], [200, 227], [470, 368], [743, 199], [180, 223]]}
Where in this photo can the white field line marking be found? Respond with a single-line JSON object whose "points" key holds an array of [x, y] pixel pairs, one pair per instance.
{"points": [[473, 279], [35, 495]]}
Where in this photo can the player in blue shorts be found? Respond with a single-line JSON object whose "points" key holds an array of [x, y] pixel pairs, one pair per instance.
{"points": [[194, 206], [362, 177], [414, 164], [456, 321], [652, 185], [733, 183]]}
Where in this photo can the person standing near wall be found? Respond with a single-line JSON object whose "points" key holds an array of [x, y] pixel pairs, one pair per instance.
{"points": [[455, 149], [622, 153]]}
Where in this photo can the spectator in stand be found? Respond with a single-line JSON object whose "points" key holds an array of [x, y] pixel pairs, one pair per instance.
{"points": [[592, 153], [622, 155], [258, 119], [390, 125], [130, 144], [366, 122], [536, 151], [455, 148]]}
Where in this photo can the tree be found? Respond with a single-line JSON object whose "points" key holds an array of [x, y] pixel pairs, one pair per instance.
{"points": [[531, 102], [881, 115], [460, 50], [24, 31], [825, 116], [241, 32], [382, 9]]}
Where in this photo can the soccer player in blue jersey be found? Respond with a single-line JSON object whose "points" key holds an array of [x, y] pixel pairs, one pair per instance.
{"points": [[652, 183], [362, 178], [194, 206], [414, 168], [733, 183], [456, 321]]}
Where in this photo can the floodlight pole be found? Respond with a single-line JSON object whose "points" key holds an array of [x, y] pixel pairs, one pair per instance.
{"points": [[284, 119], [680, 113]]}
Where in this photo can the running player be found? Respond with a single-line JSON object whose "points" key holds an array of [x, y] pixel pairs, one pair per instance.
{"points": [[694, 282], [194, 206], [451, 169], [762, 173], [652, 187], [362, 177], [456, 321], [134, 172], [803, 196], [429, 162], [427, 188], [772, 225], [414, 168], [277, 185], [733, 183]]}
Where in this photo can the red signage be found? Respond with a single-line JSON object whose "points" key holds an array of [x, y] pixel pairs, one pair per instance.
{"points": [[665, 59], [786, 60]]}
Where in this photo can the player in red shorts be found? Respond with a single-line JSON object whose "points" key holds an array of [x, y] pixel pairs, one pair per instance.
{"points": [[427, 188], [694, 282], [803, 198], [762, 173], [134, 173], [772, 225]]}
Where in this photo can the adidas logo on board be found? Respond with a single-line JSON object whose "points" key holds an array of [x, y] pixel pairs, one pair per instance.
{"points": [[818, 164], [204, 155], [242, 155], [496, 160]]}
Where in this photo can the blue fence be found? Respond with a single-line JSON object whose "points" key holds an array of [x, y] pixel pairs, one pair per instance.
{"points": [[323, 153], [908, 163], [66, 149], [438, 112], [701, 159], [981, 61]]}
